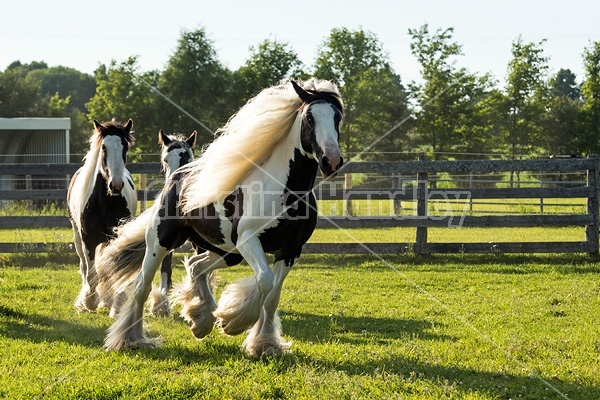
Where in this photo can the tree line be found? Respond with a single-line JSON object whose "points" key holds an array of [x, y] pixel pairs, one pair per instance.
{"points": [[449, 113]]}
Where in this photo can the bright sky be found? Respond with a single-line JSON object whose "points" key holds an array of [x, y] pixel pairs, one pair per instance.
{"points": [[83, 34]]}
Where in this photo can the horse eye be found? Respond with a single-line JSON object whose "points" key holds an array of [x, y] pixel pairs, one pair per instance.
{"points": [[310, 119]]}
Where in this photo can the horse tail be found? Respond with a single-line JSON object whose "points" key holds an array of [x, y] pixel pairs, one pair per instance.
{"points": [[118, 261]]}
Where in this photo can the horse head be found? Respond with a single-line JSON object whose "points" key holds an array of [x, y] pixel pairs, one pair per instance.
{"points": [[176, 150], [322, 116], [115, 140]]}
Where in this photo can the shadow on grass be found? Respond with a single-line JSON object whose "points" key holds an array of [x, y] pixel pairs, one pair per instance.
{"points": [[457, 381], [37, 328], [357, 330], [404, 373]]}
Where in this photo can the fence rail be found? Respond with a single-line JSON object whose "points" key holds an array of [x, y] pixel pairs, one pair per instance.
{"points": [[413, 184]]}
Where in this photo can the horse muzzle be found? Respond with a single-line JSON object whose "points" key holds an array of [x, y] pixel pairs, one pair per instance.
{"points": [[330, 165], [115, 187]]}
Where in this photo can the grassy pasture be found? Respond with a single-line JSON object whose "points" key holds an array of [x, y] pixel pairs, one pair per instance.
{"points": [[406, 327], [456, 327]]}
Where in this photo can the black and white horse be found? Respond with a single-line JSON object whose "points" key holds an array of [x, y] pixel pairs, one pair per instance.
{"points": [[177, 150], [101, 194], [250, 193]]}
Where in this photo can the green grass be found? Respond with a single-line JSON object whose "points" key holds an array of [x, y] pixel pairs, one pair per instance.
{"points": [[443, 327], [326, 235]]}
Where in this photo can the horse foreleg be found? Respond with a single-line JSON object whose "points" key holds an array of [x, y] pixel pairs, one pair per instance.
{"points": [[159, 300], [241, 302], [265, 336], [195, 294], [128, 330], [87, 300]]}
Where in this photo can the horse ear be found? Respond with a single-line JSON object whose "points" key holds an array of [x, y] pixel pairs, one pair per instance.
{"points": [[98, 126], [128, 125], [191, 140], [163, 139], [303, 94]]}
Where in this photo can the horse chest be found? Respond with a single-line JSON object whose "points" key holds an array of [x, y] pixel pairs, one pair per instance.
{"points": [[102, 212]]}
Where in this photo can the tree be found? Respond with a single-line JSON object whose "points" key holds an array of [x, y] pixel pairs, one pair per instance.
{"points": [[19, 96], [526, 94], [590, 91], [452, 105], [124, 93], [374, 98], [561, 131], [563, 83], [197, 86], [269, 62], [65, 81]]}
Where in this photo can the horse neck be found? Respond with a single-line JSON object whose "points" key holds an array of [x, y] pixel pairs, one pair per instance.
{"points": [[91, 167], [289, 164]]}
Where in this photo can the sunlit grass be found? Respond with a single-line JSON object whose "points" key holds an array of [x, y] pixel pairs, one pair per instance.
{"points": [[444, 327]]}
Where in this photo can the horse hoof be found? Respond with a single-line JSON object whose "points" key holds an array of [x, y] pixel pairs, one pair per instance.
{"points": [[201, 329]]}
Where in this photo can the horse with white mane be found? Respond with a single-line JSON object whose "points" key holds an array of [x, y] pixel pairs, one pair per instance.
{"points": [[177, 150], [101, 194], [250, 193]]}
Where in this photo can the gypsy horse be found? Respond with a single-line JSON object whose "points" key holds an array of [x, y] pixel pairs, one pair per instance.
{"points": [[250, 193], [101, 195], [177, 150]]}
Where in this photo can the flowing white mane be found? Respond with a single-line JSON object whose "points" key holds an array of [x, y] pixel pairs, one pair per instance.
{"points": [[245, 142], [86, 178]]}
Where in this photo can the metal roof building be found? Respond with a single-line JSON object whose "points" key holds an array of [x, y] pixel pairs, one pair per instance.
{"points": [[33, 141]]}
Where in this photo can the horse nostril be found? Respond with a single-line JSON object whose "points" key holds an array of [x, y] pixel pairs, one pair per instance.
{"points": [[325, 163], [341, 162], [115, 188]]}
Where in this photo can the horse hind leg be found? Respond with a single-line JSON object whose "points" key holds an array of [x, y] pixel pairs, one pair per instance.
{"points": [[159, 300], [128, 329], [265, 337], [194, 293]]}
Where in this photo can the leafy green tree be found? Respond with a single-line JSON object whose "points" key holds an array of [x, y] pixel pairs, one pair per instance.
{"points": [[526, 93], [122, 93], [269, 62], [374, 98], [560, 133], [452, 105], [590, 91], [196, 88], [479, 117], [563, 83], [19, 95], [65, 81]]}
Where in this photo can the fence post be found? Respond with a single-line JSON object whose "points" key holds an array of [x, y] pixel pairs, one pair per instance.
{"points": [[143, 184], [422, 184], [347, 202], [541, 198], [397, 185], [593, 180], [470, 187]]}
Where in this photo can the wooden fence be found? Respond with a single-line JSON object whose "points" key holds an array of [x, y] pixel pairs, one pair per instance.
{"points": [[413, 184]]}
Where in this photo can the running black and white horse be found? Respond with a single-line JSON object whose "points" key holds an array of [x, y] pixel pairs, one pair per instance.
{"points": [[100, 196], [250, 193], [177, 150]]}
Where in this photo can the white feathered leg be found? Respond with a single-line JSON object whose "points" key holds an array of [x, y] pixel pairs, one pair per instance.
{"points": [[195, 295], [128, 330], [159, 300], [265, 336], [241, 303]]}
